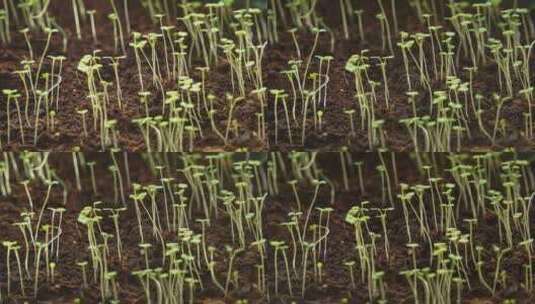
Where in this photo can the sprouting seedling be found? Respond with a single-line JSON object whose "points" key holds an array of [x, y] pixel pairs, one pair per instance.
{"points": [[115, 61], [5, 34], [280, 246], [405, 50], [22, 74], [290, 75], [117, 26], [40, 246], [211, 268], [41, 95], [344, 18], [76, 19], [500, 253], [420, 38], [319, 266], [167, 32], [500, 102], [324, 225], [386, 31], [9, 247], [127, 16], [528, 267], [307, 246], [83, 266], [359, 14], [378, 279], [284, 96], [360, 175], [49, 32], [317, 184], [322, 87], [84, 123], [13, 94], [308, 96], [320, 115], [343, 163], [292, 32], [412, 101], [376, 134], [317, 31], [25, 32], [115, 213], [76, 170], [395, 15], [350, 266], [52, 267], [351, 113], [382, 64], [144, 101], [232, 256], [277, 94], [16, 249], [383, 212], [91, 14], [138, 44], [116, 36]]}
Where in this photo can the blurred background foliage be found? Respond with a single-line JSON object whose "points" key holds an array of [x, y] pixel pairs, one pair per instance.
{"points": [[519, 3], [242, 3], [263, 3]]}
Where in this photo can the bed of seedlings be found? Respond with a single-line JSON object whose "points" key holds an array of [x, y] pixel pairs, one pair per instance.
{"points": [[420, 75], [161, 75], [256, 226], [266, 228]]}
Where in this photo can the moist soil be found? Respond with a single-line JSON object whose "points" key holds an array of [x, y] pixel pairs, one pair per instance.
{"points": [[334, 287], [335, 133]]}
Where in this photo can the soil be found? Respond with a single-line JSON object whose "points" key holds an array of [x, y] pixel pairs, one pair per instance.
{"points": [[334, 134], [335, 285]]}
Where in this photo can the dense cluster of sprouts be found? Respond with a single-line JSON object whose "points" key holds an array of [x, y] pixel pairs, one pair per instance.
{"points": [[175, 105], [438, 217]]}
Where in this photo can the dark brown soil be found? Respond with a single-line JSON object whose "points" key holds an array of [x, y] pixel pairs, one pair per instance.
{"points": [[335, 285], [336, 130]]}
